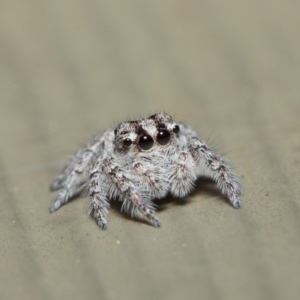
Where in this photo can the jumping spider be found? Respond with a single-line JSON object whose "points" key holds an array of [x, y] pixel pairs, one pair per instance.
{"points": [[140, 161]]}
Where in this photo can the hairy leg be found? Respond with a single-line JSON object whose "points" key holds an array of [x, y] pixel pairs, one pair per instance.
{"points": [[61, 178], [212, 164], [98, 204], [152, 179], [71, 180], [183, 178], [119, 183]]}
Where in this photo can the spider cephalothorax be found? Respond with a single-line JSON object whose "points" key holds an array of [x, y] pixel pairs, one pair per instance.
{"points": [[138, 162]]}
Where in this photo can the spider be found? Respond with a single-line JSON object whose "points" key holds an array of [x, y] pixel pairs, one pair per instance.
{"points": [[140, 161]]}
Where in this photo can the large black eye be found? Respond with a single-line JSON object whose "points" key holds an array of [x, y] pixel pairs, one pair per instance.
{"points": [[146, 142], [163, 137], [127, 142], [176, 129]]}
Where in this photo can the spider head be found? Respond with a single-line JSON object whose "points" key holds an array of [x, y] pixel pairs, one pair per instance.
{"points": [[146, 135]]}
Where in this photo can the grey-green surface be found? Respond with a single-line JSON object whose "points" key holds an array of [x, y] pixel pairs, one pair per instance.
{"points": [[231, 69]]}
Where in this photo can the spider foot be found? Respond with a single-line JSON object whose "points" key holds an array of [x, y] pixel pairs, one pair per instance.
{"points": [[236, 203], [99, 213], [55, 206], [59, 201], [102, 224], [153, 220], [234, 199], [156, 223]]}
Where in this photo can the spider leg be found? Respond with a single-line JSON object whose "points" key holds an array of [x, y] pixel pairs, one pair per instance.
{"points": [[121, 184], [74, 175], [60, 179], [151, 178], [215, 166], [98, 204], [183, 177], [99, 144], [73, 181]]}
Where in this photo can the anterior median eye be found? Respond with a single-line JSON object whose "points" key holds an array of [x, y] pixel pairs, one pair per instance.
{"points": [[163, 137], [127, 142], [146, 142]]}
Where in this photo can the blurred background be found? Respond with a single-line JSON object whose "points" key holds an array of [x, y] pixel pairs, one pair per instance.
{"points": [[69, 69]]}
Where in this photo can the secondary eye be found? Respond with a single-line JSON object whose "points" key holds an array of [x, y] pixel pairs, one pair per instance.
{"points": [[127, 142], [163, 137], [146, 142], [176, 129]]}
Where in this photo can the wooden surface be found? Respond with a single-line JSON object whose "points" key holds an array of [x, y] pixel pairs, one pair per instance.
{"points": [[231, 69]]}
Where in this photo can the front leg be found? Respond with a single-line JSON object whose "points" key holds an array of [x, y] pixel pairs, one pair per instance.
{"points": [[128, 189], [214, 165], [183, 176]]}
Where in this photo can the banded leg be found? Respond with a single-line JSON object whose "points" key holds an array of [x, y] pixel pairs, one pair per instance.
{"points": [[152, 180], [214, 165], [122, 183], [98, 204], [73, 181], [61, 178], [183, 178], [70, 181]]}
